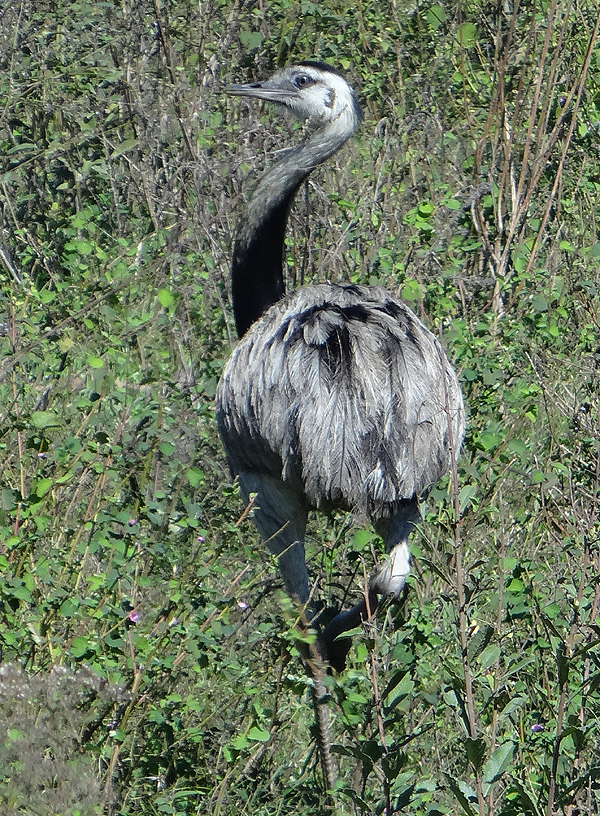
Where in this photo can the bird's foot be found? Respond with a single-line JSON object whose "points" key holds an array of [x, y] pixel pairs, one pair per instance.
{"points": [[333, 648], [334, 652]]}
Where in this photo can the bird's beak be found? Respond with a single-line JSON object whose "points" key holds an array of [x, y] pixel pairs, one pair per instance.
{"points": [[269, 91]]}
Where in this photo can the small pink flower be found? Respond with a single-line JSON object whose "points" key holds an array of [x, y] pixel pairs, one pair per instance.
{"points": [[200, 539], [242, 604], [132, 522], [41, 455], [133, 616], [536, 728]]}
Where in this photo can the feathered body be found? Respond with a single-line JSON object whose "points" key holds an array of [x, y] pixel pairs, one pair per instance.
{"points": [[337, 396], [341, 392]]}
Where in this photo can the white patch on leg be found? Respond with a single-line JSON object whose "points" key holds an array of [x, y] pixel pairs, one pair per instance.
{"points": [[392, 576]]}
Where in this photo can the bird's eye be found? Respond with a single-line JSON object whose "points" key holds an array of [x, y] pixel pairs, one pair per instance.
{"points": [[302, 81]]}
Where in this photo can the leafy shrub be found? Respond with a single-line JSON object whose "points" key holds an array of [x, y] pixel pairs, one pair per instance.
{"points": [[471, 190]]}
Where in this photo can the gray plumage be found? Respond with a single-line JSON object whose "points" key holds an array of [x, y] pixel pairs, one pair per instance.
{"points": [[337, 396], [340, 390]]}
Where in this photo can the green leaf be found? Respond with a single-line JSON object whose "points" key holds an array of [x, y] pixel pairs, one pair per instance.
{"points": [[258, 734], [465, 496], [562, 662], [95, 362], [513, 705], [26, 146], [488, 440], [475, 751], [467, 34], [42, 487], [400, 688], [412, 290], [9, 498], [45, 419], [81, 246], [576, 734], [489, 656], [361, 539], [79, 647], [498, 763], [124, 146], [435, 16], [251, 39], [165, 298], [14, 735], [463, 793], [195, 476], [21, 592]]}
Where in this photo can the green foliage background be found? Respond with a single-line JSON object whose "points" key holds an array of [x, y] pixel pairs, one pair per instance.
{"points": [[473, 191]]}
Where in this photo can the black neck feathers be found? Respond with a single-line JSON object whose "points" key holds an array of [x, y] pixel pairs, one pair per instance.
{"points": [[257, 268]]}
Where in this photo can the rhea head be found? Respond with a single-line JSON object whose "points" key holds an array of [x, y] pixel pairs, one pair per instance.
{"points": [[312, 91]]}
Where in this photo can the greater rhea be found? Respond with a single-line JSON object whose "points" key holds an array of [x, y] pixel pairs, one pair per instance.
{"points": [[336, 396]]}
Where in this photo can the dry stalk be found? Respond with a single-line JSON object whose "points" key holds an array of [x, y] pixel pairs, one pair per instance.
{"points": [[463, 622], [381, 728]]}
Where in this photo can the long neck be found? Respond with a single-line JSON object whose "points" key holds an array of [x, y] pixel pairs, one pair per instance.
{"points": [[257, 267]]}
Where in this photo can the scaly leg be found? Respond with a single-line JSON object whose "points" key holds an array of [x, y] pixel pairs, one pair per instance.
{"points": [[280, 516], [388, 580]]}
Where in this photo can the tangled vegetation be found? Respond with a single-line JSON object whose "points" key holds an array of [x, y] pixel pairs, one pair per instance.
{"points": [[147, 651]]}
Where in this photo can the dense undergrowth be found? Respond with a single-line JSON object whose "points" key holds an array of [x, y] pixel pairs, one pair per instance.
{"points": [[148, 658]]}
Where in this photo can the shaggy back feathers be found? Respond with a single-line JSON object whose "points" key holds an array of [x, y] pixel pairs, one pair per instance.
{"points": [[343, 393]]}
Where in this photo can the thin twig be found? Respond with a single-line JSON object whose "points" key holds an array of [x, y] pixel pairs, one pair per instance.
{"points": [[460, 593]]}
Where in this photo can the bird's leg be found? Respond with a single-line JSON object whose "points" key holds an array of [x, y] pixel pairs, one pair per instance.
{"points": [[333, 648], [388, 581], [390, 578], [280, 516]]}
